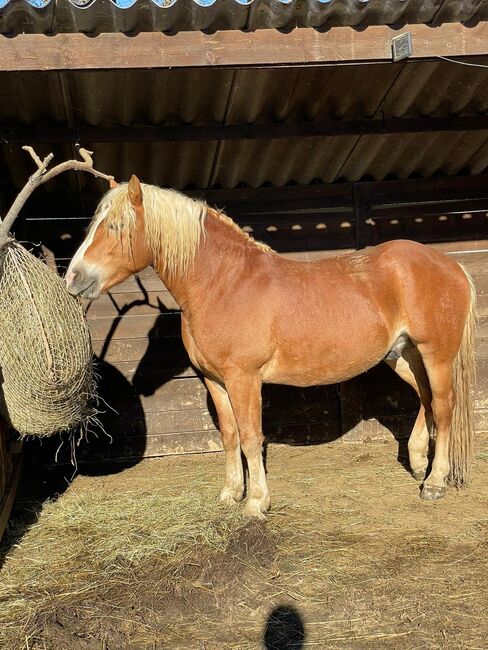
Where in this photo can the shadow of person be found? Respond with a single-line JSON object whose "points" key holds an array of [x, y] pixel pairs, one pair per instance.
{"points": [[284, 629]]}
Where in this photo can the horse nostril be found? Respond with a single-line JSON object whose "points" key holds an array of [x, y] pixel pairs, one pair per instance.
{"points": [[70, 277]]}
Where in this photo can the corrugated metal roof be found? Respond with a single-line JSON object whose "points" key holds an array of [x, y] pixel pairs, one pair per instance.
{"points": [[213, 96], [94, 16]]}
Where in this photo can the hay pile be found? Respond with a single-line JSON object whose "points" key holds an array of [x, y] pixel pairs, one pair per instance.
{"points": [[45, 351]]}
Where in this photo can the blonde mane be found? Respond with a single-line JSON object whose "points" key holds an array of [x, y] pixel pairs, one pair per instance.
{"points": [[174, 223]]}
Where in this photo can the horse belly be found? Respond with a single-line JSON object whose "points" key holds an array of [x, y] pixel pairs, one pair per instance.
{"points": [[330, 355]]}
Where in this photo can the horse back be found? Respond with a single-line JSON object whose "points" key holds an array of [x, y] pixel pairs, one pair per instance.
{"points": [[324, 321]]}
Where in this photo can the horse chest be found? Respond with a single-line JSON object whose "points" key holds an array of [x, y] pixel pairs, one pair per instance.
{"points": [[199, 359]]}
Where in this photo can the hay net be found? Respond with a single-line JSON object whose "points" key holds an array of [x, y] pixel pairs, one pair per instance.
{"points": [[45, 351]]}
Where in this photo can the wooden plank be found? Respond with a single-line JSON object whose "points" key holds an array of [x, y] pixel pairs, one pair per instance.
{"points": [[165, 364], [201, 441], [109, 306], [205, 419], [129, 448], [167, 349], [234, 48], [167, 395], [130, 326], [137, 447], [177, 395]]}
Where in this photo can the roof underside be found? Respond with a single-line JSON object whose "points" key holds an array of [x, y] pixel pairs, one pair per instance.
{"points": [[263, 96], [95, 16]]}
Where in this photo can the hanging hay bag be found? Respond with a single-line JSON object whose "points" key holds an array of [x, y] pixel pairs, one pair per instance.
{"points": [[45, 351]]}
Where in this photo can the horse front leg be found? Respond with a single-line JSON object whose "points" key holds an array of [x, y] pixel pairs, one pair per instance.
{"points": [[233, 489], [245, 396]]}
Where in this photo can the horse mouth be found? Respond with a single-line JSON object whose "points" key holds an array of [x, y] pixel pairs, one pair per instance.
{"points": [[91, 292]]}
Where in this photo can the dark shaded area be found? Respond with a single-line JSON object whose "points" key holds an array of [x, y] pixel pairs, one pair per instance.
{"points": [[118, 431], [120, 434], [284, 629]]}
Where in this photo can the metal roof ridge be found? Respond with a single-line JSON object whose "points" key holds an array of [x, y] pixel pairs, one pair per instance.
{"points": [[163, 4]]}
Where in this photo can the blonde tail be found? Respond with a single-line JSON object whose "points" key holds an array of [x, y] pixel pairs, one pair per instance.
{"points": [[462, 427]]}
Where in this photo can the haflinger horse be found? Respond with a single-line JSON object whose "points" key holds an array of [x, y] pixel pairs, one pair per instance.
{"points": [[251, 316]]}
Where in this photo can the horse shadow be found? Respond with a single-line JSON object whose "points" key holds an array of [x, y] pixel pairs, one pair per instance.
{"points": [[165, 357]]}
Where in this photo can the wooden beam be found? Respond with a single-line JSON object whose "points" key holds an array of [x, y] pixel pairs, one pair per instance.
{"points": [[454, 193], [304, 46], [33, 135]]}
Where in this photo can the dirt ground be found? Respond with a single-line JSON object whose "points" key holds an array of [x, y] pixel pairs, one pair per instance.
{"points": [[350, 557]]}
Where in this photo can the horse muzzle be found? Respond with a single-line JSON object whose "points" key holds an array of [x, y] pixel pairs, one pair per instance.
{"points": [[82, 284]]}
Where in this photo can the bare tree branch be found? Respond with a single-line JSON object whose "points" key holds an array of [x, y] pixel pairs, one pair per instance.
{"points": [[41, 176], [42, 164]]}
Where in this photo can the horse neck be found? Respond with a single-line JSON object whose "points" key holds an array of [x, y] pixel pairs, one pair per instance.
{"points": [[222, 253]]}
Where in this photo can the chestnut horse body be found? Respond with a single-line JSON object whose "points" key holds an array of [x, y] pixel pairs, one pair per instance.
{"points": [[251, 316]]}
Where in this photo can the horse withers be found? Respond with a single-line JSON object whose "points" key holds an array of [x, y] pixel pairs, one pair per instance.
{"points": [[251, 316]]}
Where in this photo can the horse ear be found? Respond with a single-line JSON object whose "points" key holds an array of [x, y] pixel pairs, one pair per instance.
{"points": [[113, 183], [135, 191]]}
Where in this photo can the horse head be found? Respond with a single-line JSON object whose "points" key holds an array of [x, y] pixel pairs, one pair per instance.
{"points": [[115, 245]]}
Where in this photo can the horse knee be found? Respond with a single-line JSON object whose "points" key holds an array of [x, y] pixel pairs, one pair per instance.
{"points": [[230, 439], [251, 442], [442, 408]]}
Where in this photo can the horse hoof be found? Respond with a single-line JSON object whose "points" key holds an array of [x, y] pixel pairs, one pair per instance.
{"points": [[432, 492], [419, 475], [255, 509], [230, 497]]}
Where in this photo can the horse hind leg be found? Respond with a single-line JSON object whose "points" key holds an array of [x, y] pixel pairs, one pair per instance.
{"points": [[440, 373], [409, 366]]}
